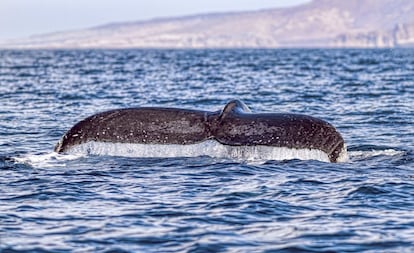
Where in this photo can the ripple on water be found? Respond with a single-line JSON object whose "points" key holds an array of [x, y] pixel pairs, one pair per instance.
{"points": [[90, 203]]}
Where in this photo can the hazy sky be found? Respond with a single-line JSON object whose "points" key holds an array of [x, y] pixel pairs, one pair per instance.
{"points": [[21, 18]]}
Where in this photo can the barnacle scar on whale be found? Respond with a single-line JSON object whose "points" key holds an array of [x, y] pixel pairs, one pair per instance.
{"points": [[232, 132]]}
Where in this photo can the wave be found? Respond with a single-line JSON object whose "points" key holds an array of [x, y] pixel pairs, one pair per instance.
{"points": [[367, 152]]}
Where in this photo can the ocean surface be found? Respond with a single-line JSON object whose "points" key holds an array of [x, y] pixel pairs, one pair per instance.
{"points": [[104, 203]]}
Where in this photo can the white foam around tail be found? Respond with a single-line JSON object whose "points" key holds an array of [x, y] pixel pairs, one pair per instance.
{"points": [[361, 155], [52, 159], [208, 148]]}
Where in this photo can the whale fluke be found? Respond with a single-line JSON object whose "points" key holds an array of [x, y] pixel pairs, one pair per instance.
{"points": [[235, 125]]}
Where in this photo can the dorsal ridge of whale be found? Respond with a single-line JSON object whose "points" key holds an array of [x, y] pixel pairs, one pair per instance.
{"points": [[232, 107]]}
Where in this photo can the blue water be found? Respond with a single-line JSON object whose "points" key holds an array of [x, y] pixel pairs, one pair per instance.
{"points": [[86, 203]]}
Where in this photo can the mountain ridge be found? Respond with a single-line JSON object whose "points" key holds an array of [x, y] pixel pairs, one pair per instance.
{"points": [[319, 23]]}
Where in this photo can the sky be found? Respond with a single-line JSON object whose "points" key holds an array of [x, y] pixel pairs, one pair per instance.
{"points": [[22, 18]]}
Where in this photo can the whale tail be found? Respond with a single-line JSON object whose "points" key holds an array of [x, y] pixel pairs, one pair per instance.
{"points": [[235, 125]]}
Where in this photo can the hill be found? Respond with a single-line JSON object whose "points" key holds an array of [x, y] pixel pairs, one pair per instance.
{"points": [[320, 23]]}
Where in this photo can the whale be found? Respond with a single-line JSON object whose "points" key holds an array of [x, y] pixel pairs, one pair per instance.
{"points": [[233, 126]]}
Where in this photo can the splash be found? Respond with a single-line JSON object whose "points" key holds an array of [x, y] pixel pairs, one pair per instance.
{"points": [[46, 160], [208, 148], [359, 155]]}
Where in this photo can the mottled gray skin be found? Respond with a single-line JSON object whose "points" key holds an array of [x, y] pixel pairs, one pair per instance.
{"points": [[234, 125]]}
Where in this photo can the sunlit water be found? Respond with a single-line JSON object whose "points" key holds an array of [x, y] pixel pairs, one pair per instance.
{"points": [[101, 203]]}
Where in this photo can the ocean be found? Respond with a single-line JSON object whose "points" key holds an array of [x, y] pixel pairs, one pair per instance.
{"points": [[103, 203]]}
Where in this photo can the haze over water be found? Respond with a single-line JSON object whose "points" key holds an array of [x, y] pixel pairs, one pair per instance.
{"points": [[86, 203]]}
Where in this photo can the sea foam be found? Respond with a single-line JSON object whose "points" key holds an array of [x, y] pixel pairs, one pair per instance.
{"points": [[208, 148]]}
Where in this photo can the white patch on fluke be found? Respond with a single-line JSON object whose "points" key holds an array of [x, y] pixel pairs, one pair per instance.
{"points": [[207, 148]]}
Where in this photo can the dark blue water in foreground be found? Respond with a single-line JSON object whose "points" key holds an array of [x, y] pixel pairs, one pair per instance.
{"points": [[63, 203]]}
